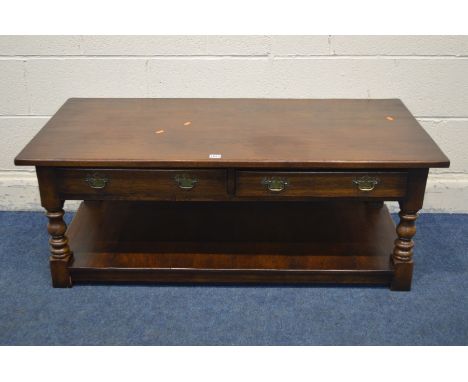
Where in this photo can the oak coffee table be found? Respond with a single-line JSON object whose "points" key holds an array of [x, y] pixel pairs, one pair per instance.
{"points": [[232, 190]]}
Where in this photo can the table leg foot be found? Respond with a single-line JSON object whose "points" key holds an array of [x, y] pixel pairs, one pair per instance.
{"points": [[403, 274], [60, 274]]}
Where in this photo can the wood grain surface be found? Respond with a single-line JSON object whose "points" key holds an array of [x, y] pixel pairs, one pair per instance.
{"points": [[243, 133]]}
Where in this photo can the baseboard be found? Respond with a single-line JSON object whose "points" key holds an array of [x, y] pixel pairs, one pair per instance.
{"points": [[444, 193]]}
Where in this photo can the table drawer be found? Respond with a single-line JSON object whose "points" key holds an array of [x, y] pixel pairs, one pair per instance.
{"points": [[321, 184], [141, 184]]}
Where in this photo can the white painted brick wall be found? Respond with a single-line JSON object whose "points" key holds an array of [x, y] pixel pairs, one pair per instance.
{"points": [[429, 73]]}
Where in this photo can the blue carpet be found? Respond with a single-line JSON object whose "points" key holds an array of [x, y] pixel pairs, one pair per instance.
{"points": [[433, 313]]}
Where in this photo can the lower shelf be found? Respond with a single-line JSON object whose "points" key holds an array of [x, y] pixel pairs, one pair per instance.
{"points": [[227, 242]]}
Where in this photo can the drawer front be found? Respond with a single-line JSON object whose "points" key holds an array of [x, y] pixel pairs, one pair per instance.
{"points": [[321, 184], [141, 184]]}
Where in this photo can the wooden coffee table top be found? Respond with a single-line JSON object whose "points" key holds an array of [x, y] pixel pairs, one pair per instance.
{"points": [[274, 133]]}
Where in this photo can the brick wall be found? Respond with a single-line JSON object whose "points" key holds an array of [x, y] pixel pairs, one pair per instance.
{"points": [[429, 73]]}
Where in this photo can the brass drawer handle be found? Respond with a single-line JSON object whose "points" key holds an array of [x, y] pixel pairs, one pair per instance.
{"points": [[366, 183], [185, 182], [95, 181], [275, 184]]}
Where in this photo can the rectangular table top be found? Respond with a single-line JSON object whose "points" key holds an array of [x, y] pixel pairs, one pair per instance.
{"points": [[267, 133]]}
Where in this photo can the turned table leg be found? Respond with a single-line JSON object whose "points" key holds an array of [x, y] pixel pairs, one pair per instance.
{"points": [[61, 254], [402, 256]]}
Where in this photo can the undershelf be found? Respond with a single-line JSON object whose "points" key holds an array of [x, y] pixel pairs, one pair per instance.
{"points": [[231, 242]]}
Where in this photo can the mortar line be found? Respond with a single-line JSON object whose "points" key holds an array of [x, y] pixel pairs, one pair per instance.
{"points": [[24, 116], [132, 57], [252, 57]]}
